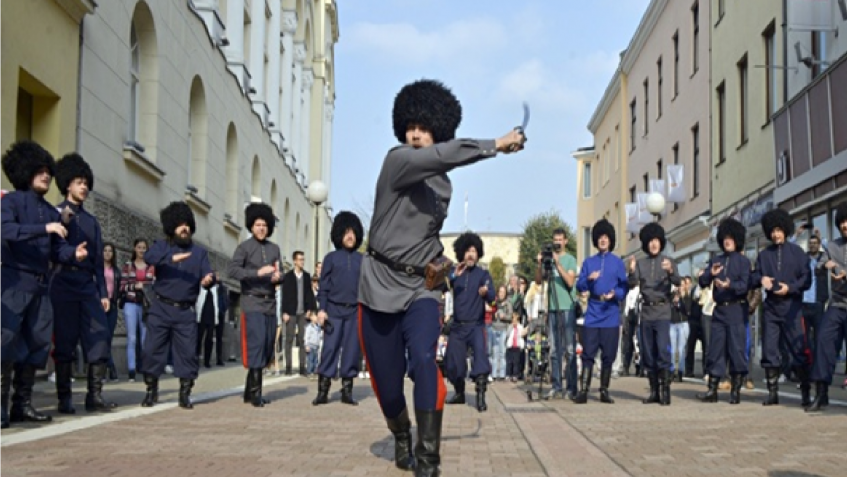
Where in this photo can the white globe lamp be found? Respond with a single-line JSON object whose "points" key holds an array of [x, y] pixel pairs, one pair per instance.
{"points": [[655, 203], [317, 194]]}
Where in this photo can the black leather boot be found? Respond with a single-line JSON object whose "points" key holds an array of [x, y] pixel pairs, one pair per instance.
{"points": [[324, 383], [256, 398], [481, 387], [665, 378], [772, 376], [6, 370], [401, 427], [605, 377], [152, 396], [248, 387], [735, 381], [64, 389], [428, 448], [802, 373], [584, 386], [711, 395], [22, 409], [347, 392], [94, 399], [821, 397], [653, 398], [459, 395], [185, 385]]}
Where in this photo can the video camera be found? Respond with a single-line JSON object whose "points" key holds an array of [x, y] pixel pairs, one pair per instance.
{"points": [[547, 254]]}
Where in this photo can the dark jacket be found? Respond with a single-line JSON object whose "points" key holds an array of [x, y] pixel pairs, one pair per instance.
{"points": [[289, 293]]}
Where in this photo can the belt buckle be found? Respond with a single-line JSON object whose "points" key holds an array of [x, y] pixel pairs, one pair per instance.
{"points": [[410, 270]]}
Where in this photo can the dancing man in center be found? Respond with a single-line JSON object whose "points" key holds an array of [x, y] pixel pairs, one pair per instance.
{"points": [[255, 264], [399, 313]]}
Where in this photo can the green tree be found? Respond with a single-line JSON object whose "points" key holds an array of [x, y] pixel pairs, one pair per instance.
{"points": [[497, 269], [537, 232]]}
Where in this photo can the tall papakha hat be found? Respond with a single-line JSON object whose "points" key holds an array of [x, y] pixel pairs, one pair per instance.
{"points": [[648, 233], [259, 210], [175, 214], [23, 160], [72, 166], [777, 218], [429, 104], [603, 227], [464, 242], [840, 214], [344, 221], [734, 229]]}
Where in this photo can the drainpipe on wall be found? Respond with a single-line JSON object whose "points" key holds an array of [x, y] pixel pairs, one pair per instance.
{"points": [[785, 52], [79, 86]]}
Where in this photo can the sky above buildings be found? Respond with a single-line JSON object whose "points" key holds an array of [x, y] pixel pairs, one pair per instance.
{"points": [[558, 56]]}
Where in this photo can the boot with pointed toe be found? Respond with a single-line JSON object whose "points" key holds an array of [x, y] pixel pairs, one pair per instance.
{"points": [[401, 427], [22, 409], [428, 448], [711, 395], [821, 397]]}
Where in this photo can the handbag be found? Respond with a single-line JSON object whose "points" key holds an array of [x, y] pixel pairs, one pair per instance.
{"points": [[436, 273]]}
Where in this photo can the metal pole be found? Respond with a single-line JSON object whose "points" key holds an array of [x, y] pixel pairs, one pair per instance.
{"points": [[317, 231]]}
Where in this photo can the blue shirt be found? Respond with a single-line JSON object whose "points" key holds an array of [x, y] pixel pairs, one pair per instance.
{"points": [[178, 281], [468, 306], [27, 247], [340, 282], [603, 314], [86, 279]]}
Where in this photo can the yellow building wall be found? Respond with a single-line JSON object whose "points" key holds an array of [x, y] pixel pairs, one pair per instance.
{"points": [[40, 55]]}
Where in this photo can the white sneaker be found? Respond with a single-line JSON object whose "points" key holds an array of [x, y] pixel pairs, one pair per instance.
{"points": [[490, 379], [367, 375], [52, 377], [361, 375], [169, 369]]}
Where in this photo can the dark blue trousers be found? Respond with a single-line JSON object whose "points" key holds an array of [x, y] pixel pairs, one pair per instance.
{"points": [[604, 339], [342, 344], [463, 335], [386, 337], [27, 326], [170, 328], [786, 326], [656, 345], [258, 332], [728, 338], [77, 322], [831, 333]]}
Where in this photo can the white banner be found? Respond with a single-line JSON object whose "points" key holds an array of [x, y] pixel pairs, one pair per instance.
{"points": [[632, 218], [643, 215], [676, 184], [806, 15]]}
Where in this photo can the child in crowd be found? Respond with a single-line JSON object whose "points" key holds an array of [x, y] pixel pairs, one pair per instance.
{"points": [[312, 341], [514, 347]]}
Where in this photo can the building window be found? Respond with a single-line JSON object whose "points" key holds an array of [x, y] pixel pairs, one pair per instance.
{"points": [[659, 91], [659, 170], [743, 97], [134, 85], [632, 195], [771, 81], [721, 92], [197, 137], [818, 53], [695, 43], [646, 183], [646, 106], [586, 181], [632, 110], [675, 64], [143, 83], [617, 147], [675, 162], [586, 242], [695, 161]]}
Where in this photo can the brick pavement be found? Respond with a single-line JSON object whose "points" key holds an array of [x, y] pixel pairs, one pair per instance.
{"points": [[223, 437]]}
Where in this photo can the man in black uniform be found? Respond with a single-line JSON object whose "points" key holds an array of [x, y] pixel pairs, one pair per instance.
{"points": [[182, 267], [255, 264], [78, 292]]}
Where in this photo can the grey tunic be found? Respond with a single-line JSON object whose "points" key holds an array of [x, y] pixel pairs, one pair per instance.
{"points": [[249, 257], [655, 285], [837, 250], [412, 196]]}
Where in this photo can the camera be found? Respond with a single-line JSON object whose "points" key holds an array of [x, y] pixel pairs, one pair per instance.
{"points": [[547, 254]]}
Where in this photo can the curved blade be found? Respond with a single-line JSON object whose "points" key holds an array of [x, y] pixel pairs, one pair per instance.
{"points": [[525, 116]]}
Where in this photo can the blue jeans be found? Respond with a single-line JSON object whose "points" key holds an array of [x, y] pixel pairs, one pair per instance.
{"points": [[562, 326], [489, 345], [132, 317], [679, 341], [498, 354], [312, 361]]}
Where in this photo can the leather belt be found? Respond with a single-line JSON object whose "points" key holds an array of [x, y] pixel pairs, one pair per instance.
{"points": [[730, 303], [599, 298], [259, 295], [344, 305], [72, 268], [182, 305], [655, 303], [407, 269]]}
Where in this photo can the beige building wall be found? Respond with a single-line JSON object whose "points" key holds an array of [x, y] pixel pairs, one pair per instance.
{"points": [[585, 218], [667, 64], [40, 64], [742, 166]]}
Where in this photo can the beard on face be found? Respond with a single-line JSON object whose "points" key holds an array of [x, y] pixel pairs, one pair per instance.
{"points": [[182, 241]]}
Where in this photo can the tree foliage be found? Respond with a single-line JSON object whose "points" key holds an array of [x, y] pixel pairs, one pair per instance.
{"points": [[538, 231], [497, 269]]}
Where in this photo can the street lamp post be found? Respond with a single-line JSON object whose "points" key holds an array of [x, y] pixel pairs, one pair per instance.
{"points": [[317, 194], [655, 204]]}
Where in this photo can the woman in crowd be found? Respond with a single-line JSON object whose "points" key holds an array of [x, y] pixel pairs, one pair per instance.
{"points": [[134, 275], [113, 287]]}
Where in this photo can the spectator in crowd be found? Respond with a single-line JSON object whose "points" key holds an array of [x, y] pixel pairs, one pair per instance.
{"points": [[499, 329], [135, 274], [113, 287]]}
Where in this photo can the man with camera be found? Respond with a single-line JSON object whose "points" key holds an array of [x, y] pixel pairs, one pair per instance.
{"points": [[558, 268]]}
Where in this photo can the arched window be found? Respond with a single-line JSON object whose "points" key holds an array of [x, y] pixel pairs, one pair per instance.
{"points": [[232, 173], [197, 137], [256, 182], [143, 82]]}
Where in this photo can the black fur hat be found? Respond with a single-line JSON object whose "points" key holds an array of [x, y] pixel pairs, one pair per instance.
{"points": [[259, 210], [23, 160], [70, 167], [175, 214], [603, 227], [840, 214], [465, 242], [734, 229], [649, 232], [346, 220], [430, 104], [777, 218]]}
